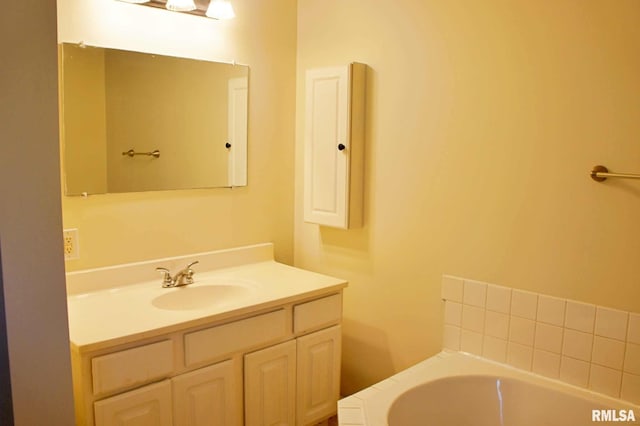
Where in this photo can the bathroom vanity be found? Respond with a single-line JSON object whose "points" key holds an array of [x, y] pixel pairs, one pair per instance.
{"points": [[251, 341]]}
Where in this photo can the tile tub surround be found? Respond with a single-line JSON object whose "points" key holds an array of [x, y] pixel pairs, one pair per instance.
{"points": [[590, 346]]}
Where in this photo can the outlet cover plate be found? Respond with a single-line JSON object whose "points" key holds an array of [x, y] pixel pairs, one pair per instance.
{"points": [[71, 248]]}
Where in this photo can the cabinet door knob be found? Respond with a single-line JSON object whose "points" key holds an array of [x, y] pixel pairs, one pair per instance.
{"points": [[341, 147], [227, 145]]}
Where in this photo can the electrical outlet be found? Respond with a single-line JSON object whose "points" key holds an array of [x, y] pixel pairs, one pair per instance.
{"points": [[71, 248]]}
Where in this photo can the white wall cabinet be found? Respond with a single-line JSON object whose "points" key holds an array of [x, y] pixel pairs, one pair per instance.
{"points": [[275, 367], [334, 146]]}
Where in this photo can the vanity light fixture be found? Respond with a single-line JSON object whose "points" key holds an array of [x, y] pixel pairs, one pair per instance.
{"points": [[216, 9], [180, 5], [220, 9]]}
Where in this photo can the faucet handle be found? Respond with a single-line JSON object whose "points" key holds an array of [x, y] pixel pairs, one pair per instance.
{"points": [[189, 272], [167, 281]]}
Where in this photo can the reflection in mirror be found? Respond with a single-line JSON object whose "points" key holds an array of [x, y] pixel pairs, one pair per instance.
{"points": [[134, 121]]}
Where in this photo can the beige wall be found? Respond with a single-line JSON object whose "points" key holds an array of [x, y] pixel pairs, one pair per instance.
{"points": [[32, 265], [483, 121], [130, 227]]}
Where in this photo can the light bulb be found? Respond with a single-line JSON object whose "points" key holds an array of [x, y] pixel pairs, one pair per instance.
{"points": [[181, 5], [220, 9]]}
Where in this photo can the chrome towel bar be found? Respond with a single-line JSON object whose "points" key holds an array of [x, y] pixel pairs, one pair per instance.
{"points": [[601, 173]]}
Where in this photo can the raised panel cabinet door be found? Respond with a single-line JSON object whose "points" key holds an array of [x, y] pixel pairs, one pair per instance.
{"points": [[270, 386], [333, 139], [147, 406], [327, 127], [318, 364], [210, 396]]}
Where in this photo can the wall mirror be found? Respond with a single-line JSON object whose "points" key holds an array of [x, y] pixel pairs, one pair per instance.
{"points": [[134, 121]]}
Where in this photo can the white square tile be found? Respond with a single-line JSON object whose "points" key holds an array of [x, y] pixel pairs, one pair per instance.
{"points": [[546, 363], [633, 334], [574, 371], [451, 338], [471, 342], [498, 299], [350, 402], [520, 356], [473, 318], [453, 313], [632, 359], [494, 349], [366, 393], [605, 380], [548, 338], [522, 330], [496, 324], [524, 304], [452, 288], [611, 323], [385, 384], [351, 416], [630, 388], [551, 310], [580, 316], [475, 293], [608, 352], [577, 344]]}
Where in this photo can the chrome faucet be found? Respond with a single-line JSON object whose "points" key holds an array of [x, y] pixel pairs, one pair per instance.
{"points": [[182, 277]]}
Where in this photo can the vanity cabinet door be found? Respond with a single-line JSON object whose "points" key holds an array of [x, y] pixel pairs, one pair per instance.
{"points": [[147, 406], [318, 365], [270, 385], [333, 152], [210, 396]]}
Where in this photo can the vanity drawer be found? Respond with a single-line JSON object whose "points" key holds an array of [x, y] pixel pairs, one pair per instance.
{"points": [[216, 342], [132, 367], [317, 313], [149, 405]]}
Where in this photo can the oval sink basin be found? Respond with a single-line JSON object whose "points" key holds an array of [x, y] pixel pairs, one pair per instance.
{"points": [[203, 296]]}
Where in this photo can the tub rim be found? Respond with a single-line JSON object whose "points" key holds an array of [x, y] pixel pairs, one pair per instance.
{"points": [[370, 406]]}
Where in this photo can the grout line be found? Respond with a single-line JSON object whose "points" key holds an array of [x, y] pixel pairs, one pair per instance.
{"points": [[537, 321]]}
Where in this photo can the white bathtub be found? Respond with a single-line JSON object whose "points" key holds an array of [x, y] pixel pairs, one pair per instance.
{"points": [[457, 389]]}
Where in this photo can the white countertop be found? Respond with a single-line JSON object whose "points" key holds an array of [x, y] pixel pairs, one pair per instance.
{"points": [[117, 315]]}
